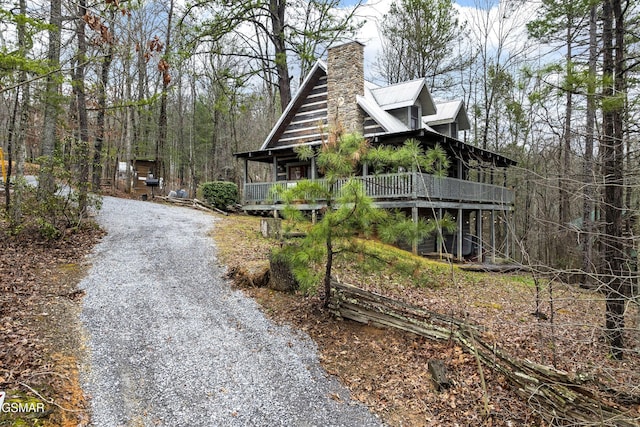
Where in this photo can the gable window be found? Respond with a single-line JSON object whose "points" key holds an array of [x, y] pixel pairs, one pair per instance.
{"points": [[454, 130], [414, 117]]}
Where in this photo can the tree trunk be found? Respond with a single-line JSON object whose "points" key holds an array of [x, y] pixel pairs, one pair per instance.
{"points": [[280, 275], [129, 119], [612, 154], [564, 214], [20, 144], [588, 207], [82, 156], [328, 267], [161, 171], [277, 10], [10, 137], [100, 119], [46, 185]]}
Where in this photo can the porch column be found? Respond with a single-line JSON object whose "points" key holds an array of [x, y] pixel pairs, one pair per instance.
{"points": [[414, 218], [246, 179], [275, 168], [460, 165], [313, 168], [479, 234], [493, 236], [365, 169], [459, 234]]}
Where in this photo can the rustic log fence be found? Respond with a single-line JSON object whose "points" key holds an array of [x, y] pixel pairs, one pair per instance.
{"points": [[558, 396], [191, 203]]}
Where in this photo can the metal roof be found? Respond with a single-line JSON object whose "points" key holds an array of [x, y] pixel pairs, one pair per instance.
{"points": [[449, 112], [385, 120], [405, 94]]}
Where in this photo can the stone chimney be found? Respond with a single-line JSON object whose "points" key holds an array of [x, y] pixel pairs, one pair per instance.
{"points": [[345, 80]]}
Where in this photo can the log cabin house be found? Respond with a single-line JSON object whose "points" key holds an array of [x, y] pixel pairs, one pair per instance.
{"points": [[473, 191]]}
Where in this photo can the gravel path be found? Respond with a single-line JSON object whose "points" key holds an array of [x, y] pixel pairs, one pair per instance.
{"points": [[170, 344]]}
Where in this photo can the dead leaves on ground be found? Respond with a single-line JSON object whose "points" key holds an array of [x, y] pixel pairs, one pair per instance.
{"points": [[38, 346]]}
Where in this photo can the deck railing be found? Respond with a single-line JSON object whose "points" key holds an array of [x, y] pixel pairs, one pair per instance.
{"points": [[400, 186]]}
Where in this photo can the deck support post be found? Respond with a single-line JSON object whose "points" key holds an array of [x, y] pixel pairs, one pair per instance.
{"points": [[493, 236], [479, 234], [440, 236], [507, 248], [414, 218], [459, 254]]}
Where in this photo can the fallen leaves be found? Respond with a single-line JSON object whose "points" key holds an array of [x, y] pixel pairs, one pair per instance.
{"points": [[38, 344]]}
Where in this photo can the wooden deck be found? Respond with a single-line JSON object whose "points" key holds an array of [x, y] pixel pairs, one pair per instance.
{"points": [[400, 187]]}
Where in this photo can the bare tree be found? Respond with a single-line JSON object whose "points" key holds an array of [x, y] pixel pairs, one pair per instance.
{"points": [[615, 269], [419, 42], [82, 142], [277, 33], [163, 67], [52, 102]]}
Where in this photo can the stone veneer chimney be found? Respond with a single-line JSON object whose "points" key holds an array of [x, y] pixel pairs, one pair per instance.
{"points": [[345, 80]]}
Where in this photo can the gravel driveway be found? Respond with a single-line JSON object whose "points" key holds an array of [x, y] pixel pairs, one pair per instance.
{"points": [[170, 344]]}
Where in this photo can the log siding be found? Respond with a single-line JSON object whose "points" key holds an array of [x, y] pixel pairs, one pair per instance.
{"points": [[309, 123]]}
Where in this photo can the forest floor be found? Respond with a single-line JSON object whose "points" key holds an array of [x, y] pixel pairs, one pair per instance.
{"points": [[40, 338], [387, 370]]}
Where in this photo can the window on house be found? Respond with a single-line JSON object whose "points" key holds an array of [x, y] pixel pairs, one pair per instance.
{"points": [[297, 172], [414, 117], [454, 130]]}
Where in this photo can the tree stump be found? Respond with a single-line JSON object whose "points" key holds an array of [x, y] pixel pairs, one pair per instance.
{"points": [[439, 374], [280, 275], [271, 227]]}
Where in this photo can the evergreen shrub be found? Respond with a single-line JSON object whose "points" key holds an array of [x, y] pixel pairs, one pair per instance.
{"points": [[219, 193]]}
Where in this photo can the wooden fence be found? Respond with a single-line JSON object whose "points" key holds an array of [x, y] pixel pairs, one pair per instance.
{"points": [[556, 395]]}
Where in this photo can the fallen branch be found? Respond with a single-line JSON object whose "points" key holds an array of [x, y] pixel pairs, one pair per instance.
{"points": [[208, 206], [50, 402], [561, 395], [192, 203]]}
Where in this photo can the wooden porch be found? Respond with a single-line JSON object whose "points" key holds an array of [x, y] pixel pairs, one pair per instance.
{"points": [[415, 192], [400, 188]]}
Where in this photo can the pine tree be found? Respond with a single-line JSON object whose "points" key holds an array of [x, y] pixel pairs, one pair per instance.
{"points": [[348, 211]]}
